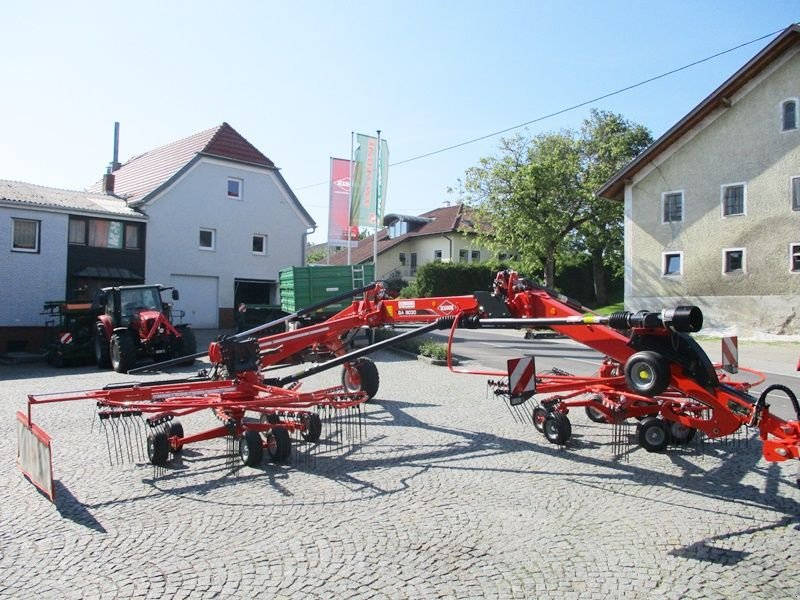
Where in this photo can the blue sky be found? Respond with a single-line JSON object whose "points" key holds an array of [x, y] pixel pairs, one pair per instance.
{"points": [[295, 78]]}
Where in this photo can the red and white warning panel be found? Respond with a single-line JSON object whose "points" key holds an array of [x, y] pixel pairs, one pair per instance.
{"points": [[521, 376], [730, 354], [34, 455]]}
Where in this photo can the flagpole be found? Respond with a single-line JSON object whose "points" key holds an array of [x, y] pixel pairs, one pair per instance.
{"points": [[377, 204], [350, 200]]}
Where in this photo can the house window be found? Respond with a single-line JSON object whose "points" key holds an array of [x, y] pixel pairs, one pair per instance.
{"points": [[25, 235], [131, 236], [105, 234], [77, 231], [235, 188], [672, 263], [462, 256], [794, 258], [476, 256], [789, 115], [260, 244], [795, 193], [413, 263], [733, 260], [733, 199], [437, 256], [207, 239], [672, 207], [403, 259]]}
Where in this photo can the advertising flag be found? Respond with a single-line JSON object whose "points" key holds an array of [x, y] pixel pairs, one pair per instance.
{"points": [[384, 176], [365, 182], [339, 210]]}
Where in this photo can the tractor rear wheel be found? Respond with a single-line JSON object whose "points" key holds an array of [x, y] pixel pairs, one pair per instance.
{"points": [[653, 434], [158, 447], [251, 449], [102, 356], [557, 428], [187, 345], [361, 376], [123, 352], [279, 445]]}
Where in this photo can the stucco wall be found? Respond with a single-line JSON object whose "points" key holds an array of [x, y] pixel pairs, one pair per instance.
{"points": [[30, 279], [741, 144], [199, 200]]}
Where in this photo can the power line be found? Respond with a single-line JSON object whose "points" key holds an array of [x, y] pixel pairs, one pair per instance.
{"points": [[570, 108]]}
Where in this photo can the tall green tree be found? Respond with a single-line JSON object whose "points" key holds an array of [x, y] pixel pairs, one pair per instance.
{"points": [[609, 142], [536, 197]]}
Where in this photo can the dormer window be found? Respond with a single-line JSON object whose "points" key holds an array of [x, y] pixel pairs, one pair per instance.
{"points": [[398, 228], [789, 115]]}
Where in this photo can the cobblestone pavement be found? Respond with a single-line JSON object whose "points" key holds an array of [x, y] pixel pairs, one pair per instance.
{"points": [[448, 497]]}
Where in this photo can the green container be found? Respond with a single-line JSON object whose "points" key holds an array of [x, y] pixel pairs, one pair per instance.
{"points": [[301, 287]]}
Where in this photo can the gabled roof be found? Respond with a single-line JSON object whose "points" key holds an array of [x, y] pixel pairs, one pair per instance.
{"points": [[447, 219], [148, 173], [70, 201], [614, 188]]}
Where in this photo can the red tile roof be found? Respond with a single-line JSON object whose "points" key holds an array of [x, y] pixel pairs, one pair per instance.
{"points": [[148, 172], [447, 219]]}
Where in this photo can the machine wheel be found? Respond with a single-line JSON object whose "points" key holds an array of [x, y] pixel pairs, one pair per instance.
{"points": [[313, 428], [175, 429], [594, 414], [539, 417], [557, 428], [123, 352], [647, 373], [680, 434], [251, 449], [279, 445], [158, 447], [361, 375], [187, 345], [102, 356], [653, 434]]}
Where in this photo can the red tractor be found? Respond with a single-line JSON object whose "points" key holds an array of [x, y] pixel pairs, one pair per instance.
{"points": [[135, 323]]}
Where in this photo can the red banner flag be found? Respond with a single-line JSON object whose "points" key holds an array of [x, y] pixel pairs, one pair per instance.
{"points": [[339, 212]]}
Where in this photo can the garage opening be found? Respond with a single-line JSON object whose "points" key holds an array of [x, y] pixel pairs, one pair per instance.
{"points": [[260, 297]]}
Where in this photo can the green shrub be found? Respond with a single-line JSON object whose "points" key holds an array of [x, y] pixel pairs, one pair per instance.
{"points": [[431, 349]]}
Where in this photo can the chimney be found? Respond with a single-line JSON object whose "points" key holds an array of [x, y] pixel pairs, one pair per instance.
{"points": [[115, 162], [108, 181]]}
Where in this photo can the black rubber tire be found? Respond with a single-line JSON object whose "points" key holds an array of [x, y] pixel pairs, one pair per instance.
{"points": [[158, 447], [175, 429], [123, 352], [251, 449], [102, 355], [681, 435], [279, 445], [539, 416], [594, 414], [557, 428], [187, 345], [313, 428], [653, 434], [368, 378], [647, 373]]}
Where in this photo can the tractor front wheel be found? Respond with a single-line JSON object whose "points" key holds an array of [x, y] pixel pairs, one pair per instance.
{"points": [[361, 375], [102, 355], [187, 345], [123, 352]]}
